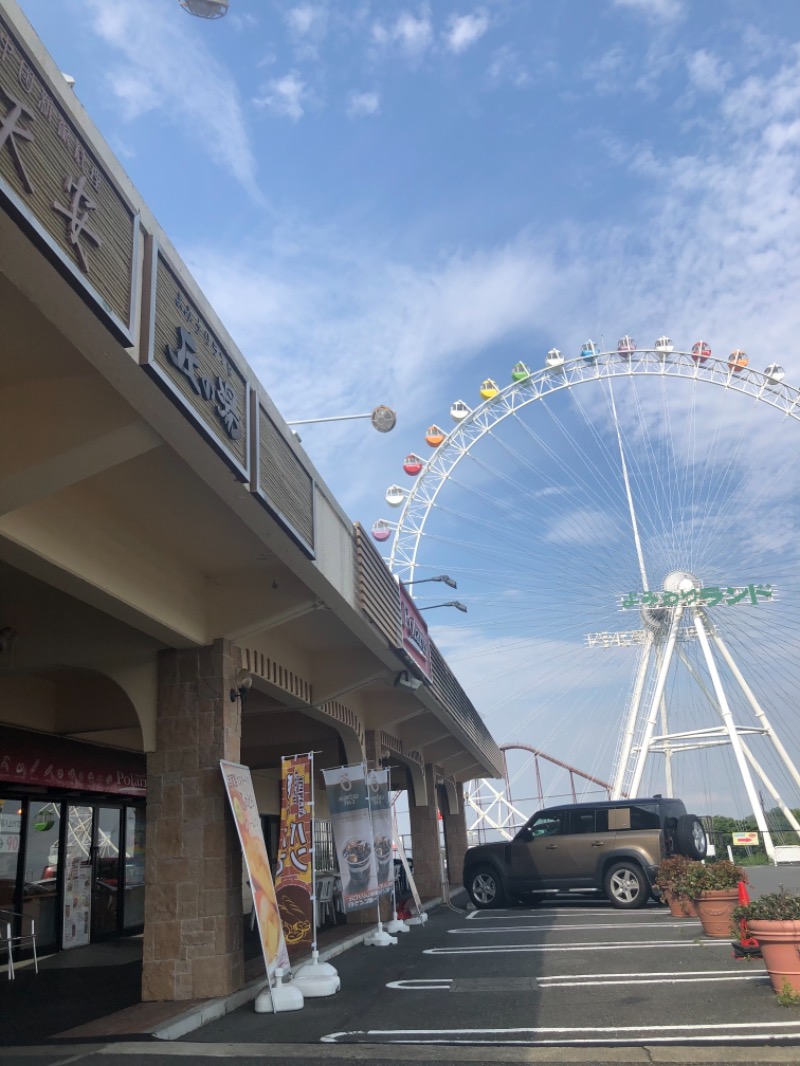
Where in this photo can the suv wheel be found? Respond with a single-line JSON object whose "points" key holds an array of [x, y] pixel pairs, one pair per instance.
{"points": [[626, 886], [690, 837], [485, 888]]}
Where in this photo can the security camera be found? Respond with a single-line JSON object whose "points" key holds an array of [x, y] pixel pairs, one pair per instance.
{"points": [[405, 680]]}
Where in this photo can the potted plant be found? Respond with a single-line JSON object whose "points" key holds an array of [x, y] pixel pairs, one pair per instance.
{"points": [[714, 887], [774, 920], [672, 881]]}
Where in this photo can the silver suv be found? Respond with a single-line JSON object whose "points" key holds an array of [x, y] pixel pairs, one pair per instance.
{"points": [[614, 846]]}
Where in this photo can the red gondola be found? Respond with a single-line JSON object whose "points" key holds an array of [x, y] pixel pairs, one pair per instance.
{"points": [[381, 530], [412, 464], [701, 350]]}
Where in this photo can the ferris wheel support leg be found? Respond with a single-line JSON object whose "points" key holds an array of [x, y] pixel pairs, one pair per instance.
{"points": [[624, 757], [757, 709], [790, 818], [667, 748], [661, 681], [701, 621]]}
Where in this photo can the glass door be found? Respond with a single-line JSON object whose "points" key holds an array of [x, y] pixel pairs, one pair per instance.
{"points": [[77, 907], [107, 879]]}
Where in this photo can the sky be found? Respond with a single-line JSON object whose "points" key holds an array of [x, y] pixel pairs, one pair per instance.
{"points": [[387, 203]]}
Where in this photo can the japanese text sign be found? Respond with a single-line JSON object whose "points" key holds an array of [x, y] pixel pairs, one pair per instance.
{"points": [[293, 884]]}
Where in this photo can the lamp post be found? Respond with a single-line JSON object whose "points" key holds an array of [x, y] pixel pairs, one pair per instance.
{"points": [[205, 9], [451, 603], [441, 577], [383, 419]]}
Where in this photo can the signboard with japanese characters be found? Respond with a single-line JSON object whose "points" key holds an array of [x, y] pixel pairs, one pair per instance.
{"points": [[55, 762], [184, 354], [293, 872], [710, 596], [741, 840], [53, 185], [416, 642]]}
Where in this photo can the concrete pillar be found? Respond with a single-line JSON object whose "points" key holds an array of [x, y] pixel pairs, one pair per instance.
{"points": [[193, 874], [425, 840], [455, 837]]}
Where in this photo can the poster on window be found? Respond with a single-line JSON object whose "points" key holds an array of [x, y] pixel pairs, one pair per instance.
{"points": [[352, 833], [381, 811], [293, 886], [77, 913], [239, 785]]}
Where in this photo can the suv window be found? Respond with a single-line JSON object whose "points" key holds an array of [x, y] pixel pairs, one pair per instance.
{"points": [[634, 817], [585, 821], [548, 824]]}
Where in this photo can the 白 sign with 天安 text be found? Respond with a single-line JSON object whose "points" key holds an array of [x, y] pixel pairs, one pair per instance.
{"points": [[52, 183]]}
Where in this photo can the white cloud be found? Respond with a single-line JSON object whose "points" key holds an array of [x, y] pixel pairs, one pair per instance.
{"points": [[661, 10], [411, 34], [284, 96], [506, 67], [464, 30], [162, 55], [301, 19], [707, 72], [363, 104]]}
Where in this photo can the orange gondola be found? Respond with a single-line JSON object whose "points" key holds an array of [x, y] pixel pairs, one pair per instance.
{"points": [[434, 436], [737, 360]]}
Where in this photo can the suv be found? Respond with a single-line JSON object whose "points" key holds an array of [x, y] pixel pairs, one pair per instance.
{"points": [[614, 846]]}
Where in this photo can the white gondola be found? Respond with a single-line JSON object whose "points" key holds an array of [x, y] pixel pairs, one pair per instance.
{"points": [[664, 346], [395, 495], [554, 358], [459, 411], [774, 374]]}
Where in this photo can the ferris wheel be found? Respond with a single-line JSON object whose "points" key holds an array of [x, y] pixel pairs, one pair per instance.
{"points": [[626, 539]]}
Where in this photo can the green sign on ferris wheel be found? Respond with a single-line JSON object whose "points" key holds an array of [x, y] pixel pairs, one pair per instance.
{"points": [[710, 596]]}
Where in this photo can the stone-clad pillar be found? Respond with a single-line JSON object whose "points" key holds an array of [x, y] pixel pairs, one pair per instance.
{"points": [[193, 897], [455, 836], [425, 839]]}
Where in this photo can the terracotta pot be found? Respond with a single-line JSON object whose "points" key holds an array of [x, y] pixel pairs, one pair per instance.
{"points": [[715, 910], [679, 906], [780, 946]]}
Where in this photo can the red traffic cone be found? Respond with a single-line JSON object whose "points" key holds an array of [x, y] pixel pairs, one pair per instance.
{"points": [[745, 941]]}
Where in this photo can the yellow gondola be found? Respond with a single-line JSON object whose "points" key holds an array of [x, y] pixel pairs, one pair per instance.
{"points": [[489, 389]]}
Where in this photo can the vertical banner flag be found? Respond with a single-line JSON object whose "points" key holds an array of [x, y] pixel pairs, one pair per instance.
{"points": [[293, 886], [352, 833], [239, 784], [381, 809]]}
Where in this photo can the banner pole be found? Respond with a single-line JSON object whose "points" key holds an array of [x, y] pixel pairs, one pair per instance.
{"points": [[315, 978], [395, 925]]}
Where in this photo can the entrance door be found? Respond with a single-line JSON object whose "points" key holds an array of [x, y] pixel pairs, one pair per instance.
{"points": [[77, 908], [107, 880]]}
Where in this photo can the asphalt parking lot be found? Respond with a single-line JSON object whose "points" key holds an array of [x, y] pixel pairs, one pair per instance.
{"points": [[571, 973]]}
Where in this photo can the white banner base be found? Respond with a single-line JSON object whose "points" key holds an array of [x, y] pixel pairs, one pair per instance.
{"points": [[396, 925], [380, 938], [317, 979], [279, 998], [420, 919]]}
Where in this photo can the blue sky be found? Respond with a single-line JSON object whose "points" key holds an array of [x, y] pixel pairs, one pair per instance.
{"points": [[388, 202]]}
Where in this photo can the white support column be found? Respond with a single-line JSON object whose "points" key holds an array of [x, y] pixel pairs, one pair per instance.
{"points": [[757, 709], [700, 622], [661, 681], [790, 818], [667, 748], [633, 718]]}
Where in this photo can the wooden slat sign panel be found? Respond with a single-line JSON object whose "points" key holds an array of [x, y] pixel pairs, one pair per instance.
{"points": [[52, 184], [281, 481], [187, 358]]}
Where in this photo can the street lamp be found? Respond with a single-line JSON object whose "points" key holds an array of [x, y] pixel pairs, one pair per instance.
{"points": [[451, 603], [205, 9], [383, 419], [442, 577]]}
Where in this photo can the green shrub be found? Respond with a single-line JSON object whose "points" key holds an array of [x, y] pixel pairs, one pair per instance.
{"points": [[774, 907], [672, 875], [712, 876]]}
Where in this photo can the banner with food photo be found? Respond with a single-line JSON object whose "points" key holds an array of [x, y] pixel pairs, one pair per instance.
{"points": [[293, 885], [381, 810], [239, 785], [352, 833]]}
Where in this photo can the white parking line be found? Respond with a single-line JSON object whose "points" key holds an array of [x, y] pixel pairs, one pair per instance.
{"points": [[564, 928], [728, 1033], [585, 980], [501, 915], [618, 945]]}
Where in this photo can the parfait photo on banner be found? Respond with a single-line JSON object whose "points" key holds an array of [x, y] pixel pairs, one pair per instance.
{"points": [[293, 885], [381, 809], [348, 804]]}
